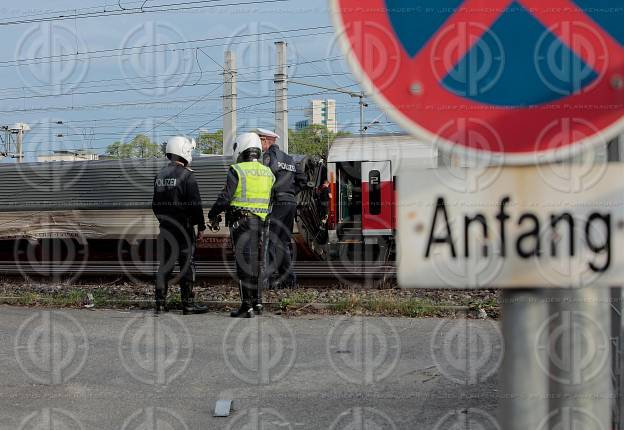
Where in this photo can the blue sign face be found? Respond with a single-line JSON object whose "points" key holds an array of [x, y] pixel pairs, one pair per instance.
{"points": [[515, 62]]}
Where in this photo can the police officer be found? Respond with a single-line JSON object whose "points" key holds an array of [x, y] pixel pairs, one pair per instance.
{"points": [[289, 180], [177, 205], [247, 198]]}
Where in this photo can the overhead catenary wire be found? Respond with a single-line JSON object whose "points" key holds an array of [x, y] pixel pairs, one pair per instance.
{"points": [[241, 108], [117, 104], [171, 7], [117, 52], [185, 109], [107, 123], [257, 104], [104, 82], [166, 87], [163, 121], [107, 7]]}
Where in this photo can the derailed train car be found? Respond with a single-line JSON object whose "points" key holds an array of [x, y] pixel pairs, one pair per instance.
{"points": [[101, 210], [105, 205], [363, 175]]}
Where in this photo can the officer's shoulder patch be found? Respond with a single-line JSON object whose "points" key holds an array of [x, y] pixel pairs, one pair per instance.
{"points": [[266, 159]]}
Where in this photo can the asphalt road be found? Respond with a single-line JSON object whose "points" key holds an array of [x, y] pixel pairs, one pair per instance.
{"points": [[81, 369]]}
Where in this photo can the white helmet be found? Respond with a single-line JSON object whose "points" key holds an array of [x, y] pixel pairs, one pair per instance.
{"points": [[182, 147], [246, 141]]}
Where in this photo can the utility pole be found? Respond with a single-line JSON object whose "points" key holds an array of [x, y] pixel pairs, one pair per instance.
{"points": [[229, 103], [19, 129], [281, 95], [20, 145], [6, 141]]}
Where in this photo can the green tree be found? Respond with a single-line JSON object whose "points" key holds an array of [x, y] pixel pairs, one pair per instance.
{"points": [[314, 140], [143, 147], [140, 146], [210, 143], [119, 150]]}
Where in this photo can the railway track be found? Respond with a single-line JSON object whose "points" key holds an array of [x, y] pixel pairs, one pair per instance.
{"points": [[207, 269]]}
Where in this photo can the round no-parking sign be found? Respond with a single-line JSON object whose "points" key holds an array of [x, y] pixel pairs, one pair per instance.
{"points": [[527, 80]]}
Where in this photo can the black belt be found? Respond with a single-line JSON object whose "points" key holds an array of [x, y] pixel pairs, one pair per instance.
{"points": [[240, 215]]}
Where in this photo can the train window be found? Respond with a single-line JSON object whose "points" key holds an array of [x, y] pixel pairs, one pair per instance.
{"points": [[374, 192]]}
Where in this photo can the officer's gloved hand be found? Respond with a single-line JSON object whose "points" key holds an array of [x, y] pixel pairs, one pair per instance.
{"points": [[215, 223]]}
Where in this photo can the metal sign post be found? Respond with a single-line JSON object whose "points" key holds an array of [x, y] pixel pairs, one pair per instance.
{"points": [[458, 74], [524, 389], [580, 359]]}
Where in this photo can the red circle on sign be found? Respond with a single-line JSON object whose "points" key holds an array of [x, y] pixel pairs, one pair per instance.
{"points": [[422, 97]]}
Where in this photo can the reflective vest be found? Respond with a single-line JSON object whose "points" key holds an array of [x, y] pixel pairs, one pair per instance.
{"points": [[253, 193]]}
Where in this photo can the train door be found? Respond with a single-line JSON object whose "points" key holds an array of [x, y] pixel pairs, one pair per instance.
{"points": [[349, 194], [377, 198]]}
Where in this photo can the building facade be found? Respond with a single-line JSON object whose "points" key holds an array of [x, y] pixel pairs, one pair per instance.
{"points": [[320, 112]]}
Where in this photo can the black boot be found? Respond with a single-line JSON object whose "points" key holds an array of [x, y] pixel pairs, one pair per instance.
{"points": [[160, 301], [258, 308], [188, 300], [165, 307], [245, 311], [190, 307]]}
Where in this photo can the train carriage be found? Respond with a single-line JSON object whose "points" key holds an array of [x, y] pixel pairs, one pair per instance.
{"points": [[103, 208], [362, 172]]}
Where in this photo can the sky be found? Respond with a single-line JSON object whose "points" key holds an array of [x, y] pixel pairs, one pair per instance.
{"points": [[86, 83]]}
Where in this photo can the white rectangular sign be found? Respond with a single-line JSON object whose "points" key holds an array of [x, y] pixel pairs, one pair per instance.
{"points": [[552, 225]]}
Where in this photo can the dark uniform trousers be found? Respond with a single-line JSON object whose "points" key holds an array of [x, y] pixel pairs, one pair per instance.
{"points": [[281, 223], [175, 244], [246, 236]]}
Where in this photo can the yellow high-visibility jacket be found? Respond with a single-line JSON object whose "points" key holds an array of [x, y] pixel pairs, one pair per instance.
{"points": [[253, 193]]}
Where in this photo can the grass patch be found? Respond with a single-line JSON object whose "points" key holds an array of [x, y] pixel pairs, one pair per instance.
{"points": [[297, 299], [310, 300], [391, 306]]}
